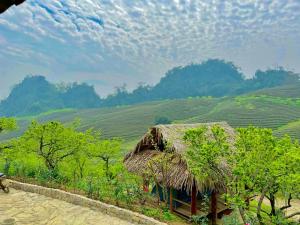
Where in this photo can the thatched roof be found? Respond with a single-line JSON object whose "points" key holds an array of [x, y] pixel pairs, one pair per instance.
{"points": [[162, 138]]}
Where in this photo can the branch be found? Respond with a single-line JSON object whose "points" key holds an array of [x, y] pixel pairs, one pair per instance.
{"points": [[289, 203], [292, 215], [66, 155]]}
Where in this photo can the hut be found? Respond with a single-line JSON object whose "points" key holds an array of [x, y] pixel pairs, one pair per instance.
{"points": [[184, 192]]}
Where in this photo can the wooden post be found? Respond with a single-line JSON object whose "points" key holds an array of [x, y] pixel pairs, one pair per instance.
{"points": [[145, 185], [214, 207], [194, 201], [171, 199]]}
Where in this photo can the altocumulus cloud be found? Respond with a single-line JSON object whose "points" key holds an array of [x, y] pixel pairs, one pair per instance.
{"points": [[117, 41]]}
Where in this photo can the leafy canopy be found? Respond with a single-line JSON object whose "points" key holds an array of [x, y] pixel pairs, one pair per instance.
{"points": [[205, 156]]}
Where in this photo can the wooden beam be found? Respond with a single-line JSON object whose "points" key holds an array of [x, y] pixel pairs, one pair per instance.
{"points": [[171, 199], [194, 201], [214, 207]]}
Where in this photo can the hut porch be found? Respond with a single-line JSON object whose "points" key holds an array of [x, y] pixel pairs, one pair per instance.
{"points": [[194, 204]]}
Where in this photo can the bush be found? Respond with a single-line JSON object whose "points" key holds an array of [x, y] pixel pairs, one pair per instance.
{"points": [[162, 120]]}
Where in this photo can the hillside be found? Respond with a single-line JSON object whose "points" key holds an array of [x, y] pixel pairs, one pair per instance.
{"points": [[131, 122], [288, 91], [216, 78], [35, 95], [213, 77]]}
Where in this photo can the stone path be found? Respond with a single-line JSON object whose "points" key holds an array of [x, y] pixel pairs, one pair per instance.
{"points": [[23, 208]]}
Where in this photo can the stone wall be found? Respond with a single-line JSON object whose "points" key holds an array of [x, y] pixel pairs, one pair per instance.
{"points": [[124, 214]]}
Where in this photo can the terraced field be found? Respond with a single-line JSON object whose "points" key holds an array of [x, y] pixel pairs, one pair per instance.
{"points": [[290, 91], [130, 122], [292, 129]]}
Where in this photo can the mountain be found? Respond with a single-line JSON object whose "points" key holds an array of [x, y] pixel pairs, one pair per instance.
{"points": [[213, 77], [35, 95]]}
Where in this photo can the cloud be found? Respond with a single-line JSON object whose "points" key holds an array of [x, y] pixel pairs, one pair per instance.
{"points": [[142, 39]]}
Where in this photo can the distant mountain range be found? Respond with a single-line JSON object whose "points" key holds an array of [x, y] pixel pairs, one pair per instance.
{"points": [[214, 77]]}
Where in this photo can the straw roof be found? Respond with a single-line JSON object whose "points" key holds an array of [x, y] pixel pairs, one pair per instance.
{"points": [[169, 138]]}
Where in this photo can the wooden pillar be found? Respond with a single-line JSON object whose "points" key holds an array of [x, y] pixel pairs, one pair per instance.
{"points": [[145, 185], [194, 201], [171, 199], [214, 207]]}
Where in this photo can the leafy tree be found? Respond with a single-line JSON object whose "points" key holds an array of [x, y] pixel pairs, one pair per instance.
{"points": [[106, 151], [7, 124], [206, 153], [264, 166], [162, 120], [53, 142]]}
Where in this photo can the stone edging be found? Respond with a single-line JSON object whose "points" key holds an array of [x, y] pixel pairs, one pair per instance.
{"points": [[115, 211]]}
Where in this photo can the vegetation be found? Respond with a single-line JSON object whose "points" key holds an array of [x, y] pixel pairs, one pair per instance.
{"points": [[261, 165], [268, 167], [36, 95], [205, 154], [213, 77], [130, 122], [55, 155], [162, 120]]}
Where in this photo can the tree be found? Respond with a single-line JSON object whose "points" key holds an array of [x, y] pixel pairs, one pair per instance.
{"points": [[264, 165], [206, 153], [7, 124], [162, 120], [53, 142], [106, 151], [206, 158]]}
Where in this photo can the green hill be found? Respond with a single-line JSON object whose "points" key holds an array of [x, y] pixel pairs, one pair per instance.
{"points": [[36, 95], [131, 122], [288, 91], [214, 77], [292, 129]]}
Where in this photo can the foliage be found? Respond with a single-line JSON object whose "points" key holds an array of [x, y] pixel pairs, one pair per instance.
{"points": [[232, 219], [265, 166], [200, 220], [35, 95], [7, 124], [213, 77], [53, 142], [162, 120], [205, 154]]}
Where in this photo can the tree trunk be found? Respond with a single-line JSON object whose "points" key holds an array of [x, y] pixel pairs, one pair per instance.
{"points": [[272, 203], [259, 205]]}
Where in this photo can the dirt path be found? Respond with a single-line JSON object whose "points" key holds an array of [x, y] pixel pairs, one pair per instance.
{"points": [[23, 208]]}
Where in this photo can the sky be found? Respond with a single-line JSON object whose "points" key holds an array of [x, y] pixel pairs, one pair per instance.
{"points": [[107, 43]]}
